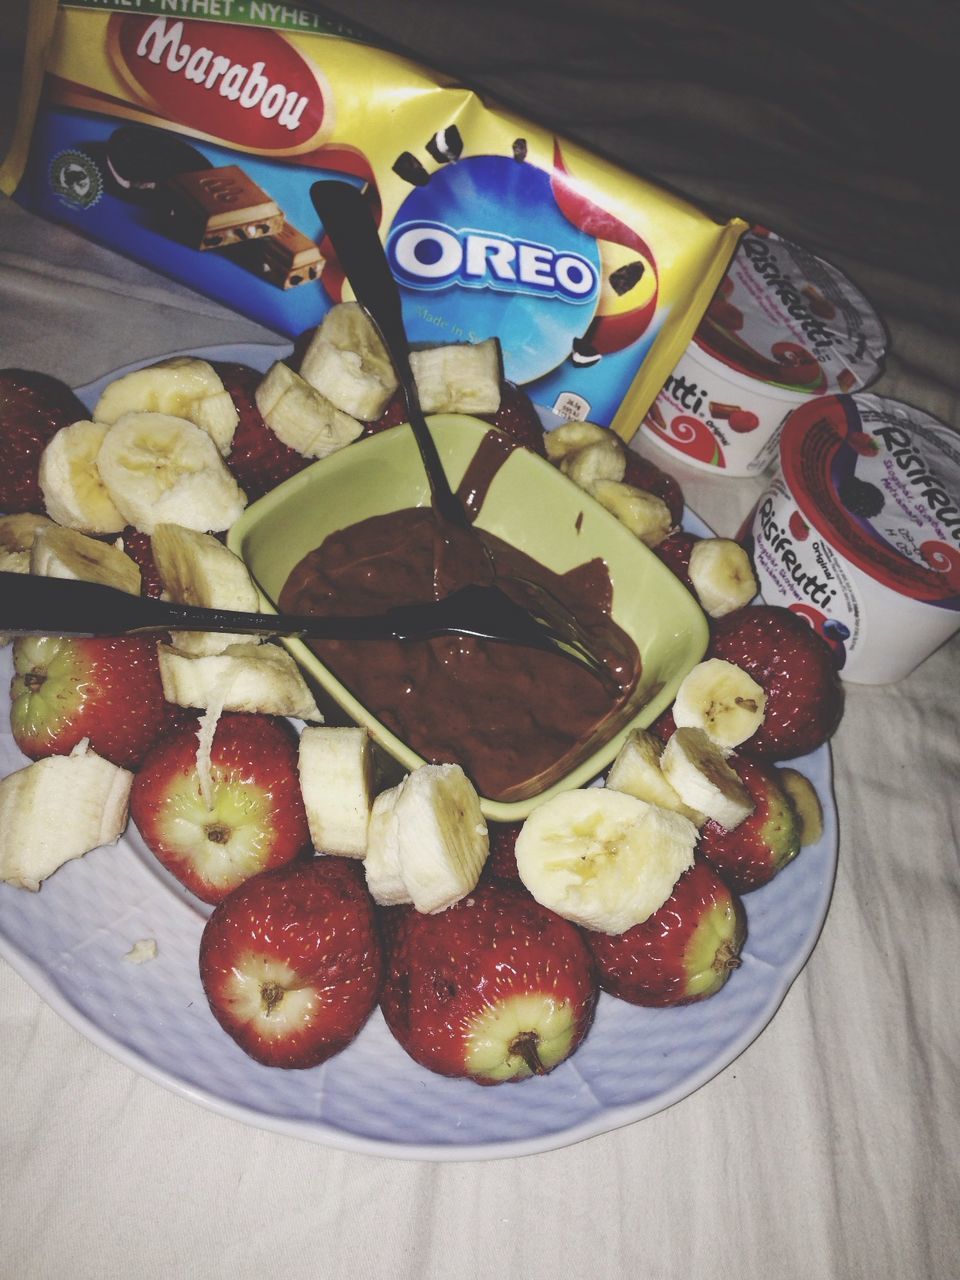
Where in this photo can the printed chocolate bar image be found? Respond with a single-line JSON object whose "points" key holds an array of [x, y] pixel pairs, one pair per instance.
{"points": [[287, 259], [216, 207], [137, 160]]}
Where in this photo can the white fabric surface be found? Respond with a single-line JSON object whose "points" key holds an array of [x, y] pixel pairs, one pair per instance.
{"points": [[828, 1149]]}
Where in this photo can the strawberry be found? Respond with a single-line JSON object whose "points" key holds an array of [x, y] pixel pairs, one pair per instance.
{"points": [[291, 961], [675, 551], [502, 860], [754, 851], [496, 988], [33, 408], [795, 668], [684, 952], [258, 459], [644, 474], [107, 690], [255, 818], [137, 546], [516, 417]]}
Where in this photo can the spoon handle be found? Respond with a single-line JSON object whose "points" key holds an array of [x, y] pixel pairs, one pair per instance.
{"points": [[348, 223]]}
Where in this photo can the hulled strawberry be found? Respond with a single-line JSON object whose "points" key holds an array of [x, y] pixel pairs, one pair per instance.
{"points": [[215, 832], [795, 668], [516, 417], [684, 952], [33, 408], [502, 860], [496, 988], [757, 848], [138, 548], [644, 474], [258, 458], [291, 961], [104, 689]]}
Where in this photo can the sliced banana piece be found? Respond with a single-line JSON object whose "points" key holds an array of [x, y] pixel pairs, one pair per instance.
{"points": [[458, 378], [381, 865], [300, 416], [159, 469], [347, 362], [184, 387], [722, 576], [698, 771], [636, 770], [337, 782], [73, 492], [602, 858], [442, 836], [17, 532], [94, 794], [245, 677], [571, 437], [721, 699], [65, 553], [604, 460], [196, 568], [644, 514], [807, 804]]}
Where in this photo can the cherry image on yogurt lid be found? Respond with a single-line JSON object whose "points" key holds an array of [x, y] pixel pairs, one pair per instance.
{"points": [[880, 481], [784, 316]]}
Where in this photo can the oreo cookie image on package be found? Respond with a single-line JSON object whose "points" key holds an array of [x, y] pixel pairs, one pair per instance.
{"points": [[137, 161]]}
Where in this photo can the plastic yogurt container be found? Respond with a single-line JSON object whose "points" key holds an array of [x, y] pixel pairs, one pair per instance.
{"points": [[859, 532], [783, 327]]}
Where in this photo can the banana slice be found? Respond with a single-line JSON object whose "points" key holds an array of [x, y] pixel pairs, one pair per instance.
{"points": [[300, 416], [246, 677], [183, 387], [196, 568], [65, 553], [164, 470], [381, 865], [459, 378], [636, 770], [602, 858], [721, 699], [604, 460], [643, 513], [347, 362], [17, 532], [427, 840], [698, 771], [336, 780], [73, 492], [93, 793], [807, 804], [722, 576], [571, 437]]}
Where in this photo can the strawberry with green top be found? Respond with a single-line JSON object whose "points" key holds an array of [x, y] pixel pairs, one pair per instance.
{"points": [[754, 851]]}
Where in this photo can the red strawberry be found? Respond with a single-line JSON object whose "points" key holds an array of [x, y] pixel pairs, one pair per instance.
{"points": [[496, 988], [33, 408], [644, 474], [675, 551], [502, 860], [291, 962], [752, 853], [795, 668], [664, 726], [107, 690], [686, 951], [255, 819], [516, 417], [258, 458], [138, 548]]}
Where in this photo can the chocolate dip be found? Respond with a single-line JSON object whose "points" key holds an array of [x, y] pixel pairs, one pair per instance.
{"points": [[516, 719]]}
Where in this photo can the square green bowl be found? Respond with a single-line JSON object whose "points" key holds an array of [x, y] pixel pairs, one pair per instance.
{"points": [[532, 506]]}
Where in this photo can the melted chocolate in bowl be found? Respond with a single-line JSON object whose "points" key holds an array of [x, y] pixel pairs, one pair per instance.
{"points": [[516, 719]]}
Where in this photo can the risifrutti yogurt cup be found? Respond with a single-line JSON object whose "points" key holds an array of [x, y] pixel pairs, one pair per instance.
{"points": [[859, 532], [784, 327]]}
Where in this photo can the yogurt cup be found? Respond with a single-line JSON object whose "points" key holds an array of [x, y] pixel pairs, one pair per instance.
{"points": [[784, 327], [859, 532]]}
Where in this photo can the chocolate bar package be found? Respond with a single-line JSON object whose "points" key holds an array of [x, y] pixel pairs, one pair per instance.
{"points": [[188, 135]]}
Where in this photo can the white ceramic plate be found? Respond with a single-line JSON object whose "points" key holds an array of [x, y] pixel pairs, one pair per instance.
{"points": [[69, 943]]}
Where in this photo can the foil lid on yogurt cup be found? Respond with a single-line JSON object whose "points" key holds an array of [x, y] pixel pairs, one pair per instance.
{"points": [[880, 481], [786, 317]]}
